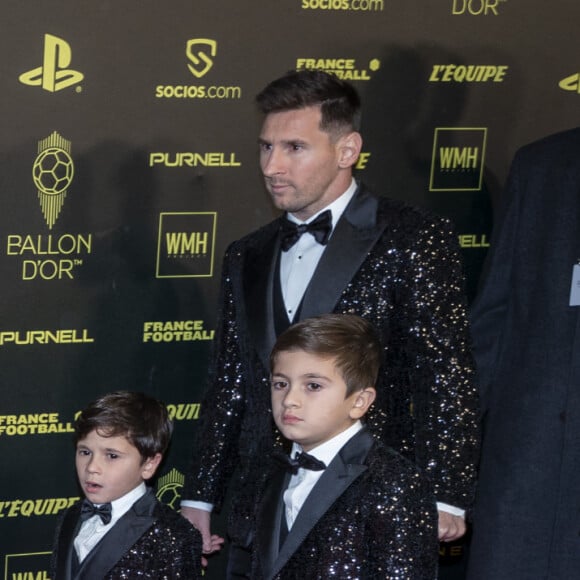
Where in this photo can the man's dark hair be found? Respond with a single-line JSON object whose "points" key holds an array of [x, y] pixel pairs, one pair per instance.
{"points": [[351, 340], [338, 100], [143, 420]]}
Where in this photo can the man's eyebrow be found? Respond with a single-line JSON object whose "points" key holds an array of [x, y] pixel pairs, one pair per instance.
{"points": [[285, 142]]}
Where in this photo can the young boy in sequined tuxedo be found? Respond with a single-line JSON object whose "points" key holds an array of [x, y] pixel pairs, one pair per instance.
{"points": [[120, 529], [343, 504]]}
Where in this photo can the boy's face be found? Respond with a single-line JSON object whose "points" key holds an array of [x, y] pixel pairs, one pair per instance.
{"points": [[309, 401], [110, 467]]}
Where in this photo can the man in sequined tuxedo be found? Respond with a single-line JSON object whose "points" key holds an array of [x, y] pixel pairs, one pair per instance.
{"points": [[395, 265], [342, 504]]}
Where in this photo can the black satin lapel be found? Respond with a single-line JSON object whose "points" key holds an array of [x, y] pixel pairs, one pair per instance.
{"points": [[116, 543], [68, 532], [347, 249], [328, 489], [268, 522], [257, 278], [344, 469]]}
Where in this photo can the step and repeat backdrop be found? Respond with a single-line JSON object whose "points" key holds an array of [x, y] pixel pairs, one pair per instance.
{"points": [[128, 162]]}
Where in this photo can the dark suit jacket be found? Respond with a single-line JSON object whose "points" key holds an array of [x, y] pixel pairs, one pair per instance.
{"points": [[398, 267], [149, 541], [370, 515], [527, 345]]}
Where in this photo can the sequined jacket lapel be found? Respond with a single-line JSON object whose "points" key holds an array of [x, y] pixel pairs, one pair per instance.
{"points": [[119, 539], [150, 541], [258, 280], [342, 471], [353, 237], [64, 548]]}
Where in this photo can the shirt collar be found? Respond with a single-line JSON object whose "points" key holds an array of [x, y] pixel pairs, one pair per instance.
{"points": [[337, 207], [122, 505], [327, 451]]}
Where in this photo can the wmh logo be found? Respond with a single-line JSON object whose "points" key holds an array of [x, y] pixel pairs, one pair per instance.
{"points": [[458, 159], [186, 244], [33, 566]]}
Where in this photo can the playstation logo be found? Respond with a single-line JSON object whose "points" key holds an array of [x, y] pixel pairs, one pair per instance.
{"points": [[53, 75]]}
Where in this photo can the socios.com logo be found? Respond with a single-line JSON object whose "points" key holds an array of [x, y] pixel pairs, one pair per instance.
{"points": [[52, 173], [54, 74], [200, 52]]}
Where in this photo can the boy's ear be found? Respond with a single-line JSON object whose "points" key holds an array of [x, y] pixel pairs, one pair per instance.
{"points": [[150, 465], [364, 399]]}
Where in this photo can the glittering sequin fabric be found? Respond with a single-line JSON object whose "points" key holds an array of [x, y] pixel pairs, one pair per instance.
{"points": [[384, 526], [169, 548], [410, 285]]}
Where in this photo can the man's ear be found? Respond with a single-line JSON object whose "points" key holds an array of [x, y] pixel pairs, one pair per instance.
{"points": [[150, 466], [363, 400], [349, 148]]}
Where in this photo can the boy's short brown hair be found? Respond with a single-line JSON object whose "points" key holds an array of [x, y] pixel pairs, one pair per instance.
{"points": [[143, 420], [351, 340]]}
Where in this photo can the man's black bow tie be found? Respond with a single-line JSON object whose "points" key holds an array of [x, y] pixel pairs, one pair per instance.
{"points": [[320, 228], [304, 460], [88, 510]]}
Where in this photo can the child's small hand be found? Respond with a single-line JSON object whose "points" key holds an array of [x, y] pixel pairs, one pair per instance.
{"points": [[201, 520], [216, 543], [451, 527]]}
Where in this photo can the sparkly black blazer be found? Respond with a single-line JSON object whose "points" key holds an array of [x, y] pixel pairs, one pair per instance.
{"points": [[398, 267], [149, 541], [371, 515]]}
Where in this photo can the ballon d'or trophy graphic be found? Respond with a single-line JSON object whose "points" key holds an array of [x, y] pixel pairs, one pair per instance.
{"points": [[52, 173]]}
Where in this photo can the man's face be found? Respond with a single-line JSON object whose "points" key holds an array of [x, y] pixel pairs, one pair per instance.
{"points": [[304, 168], [110, 467], [309, 401]]}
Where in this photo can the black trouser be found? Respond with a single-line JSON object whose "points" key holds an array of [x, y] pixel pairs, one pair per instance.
{"points": [[239, 563]]}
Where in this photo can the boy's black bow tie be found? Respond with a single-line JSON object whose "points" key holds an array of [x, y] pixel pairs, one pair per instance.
{"points": [[88, 510], [320, 228], [304, 460]]}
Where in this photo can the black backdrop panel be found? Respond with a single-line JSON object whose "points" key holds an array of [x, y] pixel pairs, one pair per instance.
{"points": [[129, 162]]}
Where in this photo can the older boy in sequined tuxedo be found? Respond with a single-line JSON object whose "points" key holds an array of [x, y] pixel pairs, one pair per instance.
{"points": [[342, 504], [395, 265]]}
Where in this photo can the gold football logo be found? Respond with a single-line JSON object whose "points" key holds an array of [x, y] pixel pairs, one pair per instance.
{"points": [[169, 488], [52, 173]]}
